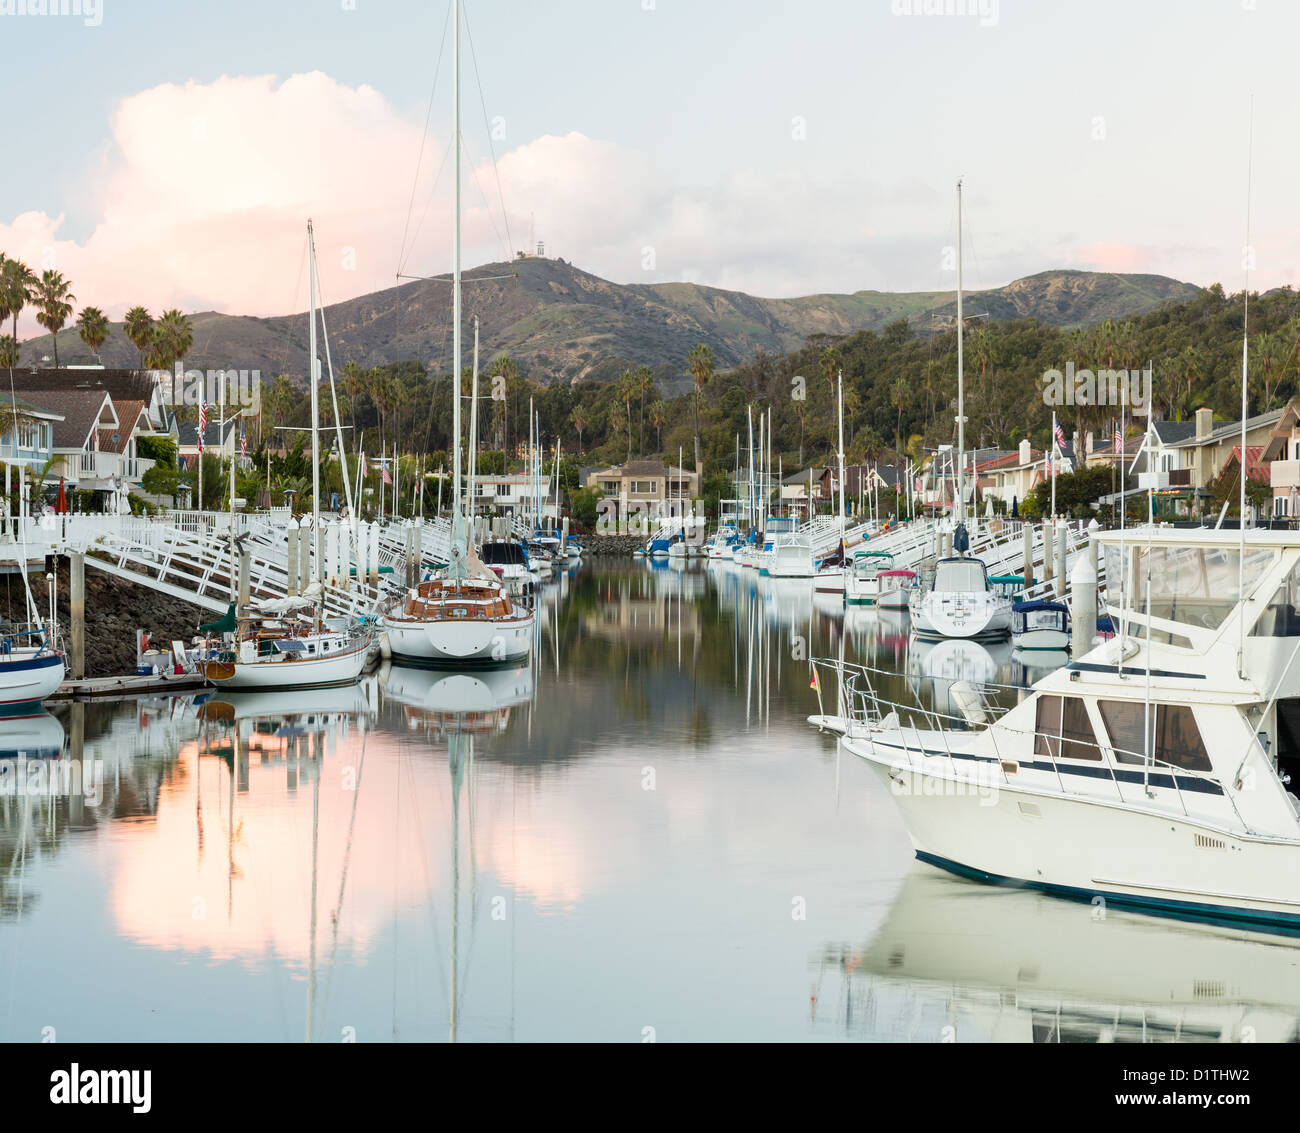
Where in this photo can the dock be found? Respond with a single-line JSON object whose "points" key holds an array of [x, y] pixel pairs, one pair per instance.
{"points": [[132, 685]]}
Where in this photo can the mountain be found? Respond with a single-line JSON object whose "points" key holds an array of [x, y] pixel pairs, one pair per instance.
{"points": [[561, 323]]}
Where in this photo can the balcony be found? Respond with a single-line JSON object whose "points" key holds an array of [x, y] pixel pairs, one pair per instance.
{"points": [[1180, 478], [1285, 473], [1153, 481]]}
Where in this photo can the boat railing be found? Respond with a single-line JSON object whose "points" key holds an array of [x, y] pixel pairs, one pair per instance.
{"points": [[864, 711]]}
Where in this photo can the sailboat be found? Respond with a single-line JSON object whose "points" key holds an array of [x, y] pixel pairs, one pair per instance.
{"points": [[285, 643], [960, 601], [465, 615], [831, 577]]}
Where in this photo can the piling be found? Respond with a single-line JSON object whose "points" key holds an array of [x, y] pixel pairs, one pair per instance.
{"points": [[1083, 602], [305, 537], [291, 564], [77, 613], [1062, 542], [1027, 530], [1048, 561], [245, 562]]}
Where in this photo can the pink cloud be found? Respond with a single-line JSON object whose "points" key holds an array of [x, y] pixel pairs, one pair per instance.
{"points": [[1114, 255]]}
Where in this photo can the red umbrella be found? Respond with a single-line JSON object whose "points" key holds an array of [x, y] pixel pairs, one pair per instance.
{"points": [[61, 503]]}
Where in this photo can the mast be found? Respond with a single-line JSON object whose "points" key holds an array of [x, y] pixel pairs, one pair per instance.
{"points": [[473, 432], [750, 485], [840, 398], [458, 551], [315, 432], [961, 385]]}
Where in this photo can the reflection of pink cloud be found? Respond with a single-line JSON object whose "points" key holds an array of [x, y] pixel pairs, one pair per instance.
{"points": [[1114, 255]]}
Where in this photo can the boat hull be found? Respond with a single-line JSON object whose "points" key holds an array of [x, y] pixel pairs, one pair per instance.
{"points": [[1041, 639], [1093, 851], [313, 672], [25, 681], [457, 643], [974, 619]]}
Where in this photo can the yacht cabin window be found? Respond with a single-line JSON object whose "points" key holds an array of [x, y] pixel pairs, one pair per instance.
{"points": [[1281, 618], [1063, 730], [1196, 586], [1175, 738]]}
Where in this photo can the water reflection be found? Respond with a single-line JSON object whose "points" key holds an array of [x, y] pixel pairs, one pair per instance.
{"points": [[955, 961], [605, 839]]}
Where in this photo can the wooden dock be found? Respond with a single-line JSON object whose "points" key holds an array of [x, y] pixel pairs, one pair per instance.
{"points": [[132, 685]]}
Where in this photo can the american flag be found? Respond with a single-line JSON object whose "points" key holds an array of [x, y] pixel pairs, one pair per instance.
{"points": [[387, 478], [1060, 436], [1119, 440], [243, 442], [203, 422], [364, 470]]}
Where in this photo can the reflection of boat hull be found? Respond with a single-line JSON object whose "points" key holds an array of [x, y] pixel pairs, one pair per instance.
{"points": [[334, 700], [1008, 963], [28, 679], [37, 736], [829, 581]]}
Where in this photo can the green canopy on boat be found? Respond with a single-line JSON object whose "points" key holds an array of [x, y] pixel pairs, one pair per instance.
{"points": [[225, 624]]}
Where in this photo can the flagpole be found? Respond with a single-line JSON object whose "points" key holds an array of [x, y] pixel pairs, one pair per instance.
{"points": [[1057, 449]]}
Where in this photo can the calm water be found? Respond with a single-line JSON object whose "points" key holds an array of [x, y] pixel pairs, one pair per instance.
{"points": [[637, 836]]}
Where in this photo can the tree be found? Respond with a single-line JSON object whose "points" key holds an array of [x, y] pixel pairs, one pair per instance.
{"points": [[658, 419], [17, 283], [138, 326], [53, 297], [1226, 486], [92, 326], [702, 367], [170, 341], [8, 351], [625, 389], [644, 378], [578, 418]]}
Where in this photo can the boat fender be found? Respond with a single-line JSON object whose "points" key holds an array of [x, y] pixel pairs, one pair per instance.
{"points": [[385, 647]]}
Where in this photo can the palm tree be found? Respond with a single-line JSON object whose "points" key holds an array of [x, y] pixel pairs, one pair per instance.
{"points": [[171, 340], [625, 390], [8, 351], [658, 418], [17, 282], [53, 297], [898, 398], [503, 366], [139, 330], [92, 326], [645, 383], [702, 366], [579, 420]]}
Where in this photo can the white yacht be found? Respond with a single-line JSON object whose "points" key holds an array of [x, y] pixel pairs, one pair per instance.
{"points": [[863, 583], [960, 602], [791, 556], [1152, 773]]}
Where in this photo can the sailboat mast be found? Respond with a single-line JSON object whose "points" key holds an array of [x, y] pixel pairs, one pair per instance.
{"points": [[961, 381], [315, 433], [839, 392], [473, 434], [457, 552]]}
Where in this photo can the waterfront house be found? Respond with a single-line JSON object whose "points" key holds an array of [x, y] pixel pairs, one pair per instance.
{"points": [[84, 414], [27, 435], [639, 487]]}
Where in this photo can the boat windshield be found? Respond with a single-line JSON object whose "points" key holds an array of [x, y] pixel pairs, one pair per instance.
{"points": [[503, 554], [1196, 586], [959, 576]]}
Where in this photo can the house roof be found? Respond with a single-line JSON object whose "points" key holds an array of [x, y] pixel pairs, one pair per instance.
{"points": [[1174, 432], [128, 385], [8, 404], [1227, 429], [1256, 467], [128, 420], [80, 411], [802, 477]]}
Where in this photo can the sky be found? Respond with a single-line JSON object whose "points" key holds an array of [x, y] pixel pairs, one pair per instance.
{"points": [[170, 154]]}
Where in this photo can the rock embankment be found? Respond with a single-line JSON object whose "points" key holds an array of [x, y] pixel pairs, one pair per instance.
{"points": [[611, 546], [114, 611]]}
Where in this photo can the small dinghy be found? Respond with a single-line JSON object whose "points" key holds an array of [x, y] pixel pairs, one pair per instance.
{"points": [[1040, 624]]}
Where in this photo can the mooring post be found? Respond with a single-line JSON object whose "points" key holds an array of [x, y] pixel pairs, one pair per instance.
{"points": [[245, 562], [305, 539], [1027, 530], [291, 564], [1062, 544], [1047, 549], [1083, 602], [77, 613]]}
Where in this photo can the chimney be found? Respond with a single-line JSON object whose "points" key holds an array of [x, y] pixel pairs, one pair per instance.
{"points": [[1204, 422], [1088, 443], [1025, 452]]}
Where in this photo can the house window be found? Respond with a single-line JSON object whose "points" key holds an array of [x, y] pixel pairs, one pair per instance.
{"points": [[610, 487], [1063, 730], [642, 488]]}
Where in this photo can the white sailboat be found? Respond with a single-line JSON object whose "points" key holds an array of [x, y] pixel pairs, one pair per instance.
{"points": [[287, 643], [959, 602], [465, 616], [834, 579]]}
